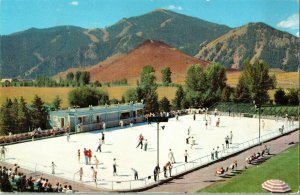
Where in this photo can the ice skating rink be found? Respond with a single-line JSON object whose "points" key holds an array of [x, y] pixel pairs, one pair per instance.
{"points": [[120, 143]]}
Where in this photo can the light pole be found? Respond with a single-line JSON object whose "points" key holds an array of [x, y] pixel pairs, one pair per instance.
{"points": [[258, 108], [157, 119]]}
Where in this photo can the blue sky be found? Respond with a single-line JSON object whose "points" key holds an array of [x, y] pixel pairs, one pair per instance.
{"points": [[19, 15]]}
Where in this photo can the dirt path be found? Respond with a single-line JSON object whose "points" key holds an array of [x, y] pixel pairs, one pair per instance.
{"points": [[204, 177], [188, 183]]}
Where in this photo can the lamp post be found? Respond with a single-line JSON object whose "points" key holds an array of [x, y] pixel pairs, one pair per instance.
{"points": [[157, 119], [258, 108]]}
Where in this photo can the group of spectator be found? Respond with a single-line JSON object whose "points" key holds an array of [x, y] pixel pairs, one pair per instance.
{"points": [[258, 154], [13, 180]]}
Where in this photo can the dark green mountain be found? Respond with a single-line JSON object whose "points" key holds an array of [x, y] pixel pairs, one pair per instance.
{"points": [[255, 40], [48, 51]]}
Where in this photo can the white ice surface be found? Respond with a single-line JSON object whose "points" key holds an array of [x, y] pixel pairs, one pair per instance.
{"points": [[121, 144]]}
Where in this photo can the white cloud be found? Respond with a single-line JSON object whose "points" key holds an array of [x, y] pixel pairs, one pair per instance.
{"points": [[74, 3], [174, 7], [297, 34], [292, 22]]}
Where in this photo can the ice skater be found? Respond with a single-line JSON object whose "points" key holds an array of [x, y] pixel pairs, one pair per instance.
{"points": [[90, 155], [135, 174], [212, 154], [96, 161], [80, 172], [141, 138], [85, 152], [103, 126], [217, 152], [171, 156], [99, 146], [218, 123], [192, 142], [206, 123], [263, 124], [68, 136], [3, 151], [227, 141], [94, 174], [145, 145], [78, 155], [53, 167], [230, 137], [103, 138], [115, 168]]}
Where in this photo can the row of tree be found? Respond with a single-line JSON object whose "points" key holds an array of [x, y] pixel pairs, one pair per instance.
{"points": [[17, 116]]}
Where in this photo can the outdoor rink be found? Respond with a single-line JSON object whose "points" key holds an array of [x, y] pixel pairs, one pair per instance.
{"points": [[121, 144]]}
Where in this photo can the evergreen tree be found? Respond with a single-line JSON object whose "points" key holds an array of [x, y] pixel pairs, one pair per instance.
{"points": [[166, 76], [280, 97], [292, 97], [179, 96], [146, 90], [164, 105], [6, 122], [56, 103], [23, 116], [39, 113]]}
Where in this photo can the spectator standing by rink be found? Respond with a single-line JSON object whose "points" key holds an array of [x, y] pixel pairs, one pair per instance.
{"points": [[156, 173], [171, 156], [185, 156], [3, 151], [115, 168], [53, 167], [213, 154]]}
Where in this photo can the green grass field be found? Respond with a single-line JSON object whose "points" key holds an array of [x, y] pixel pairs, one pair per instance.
{"points": [[284, 166]]}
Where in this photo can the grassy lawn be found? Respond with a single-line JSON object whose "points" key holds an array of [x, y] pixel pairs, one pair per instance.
{"points": [[284, 166]]}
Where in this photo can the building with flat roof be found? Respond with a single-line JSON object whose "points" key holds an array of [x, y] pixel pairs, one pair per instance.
{"points": [[97, 117]]}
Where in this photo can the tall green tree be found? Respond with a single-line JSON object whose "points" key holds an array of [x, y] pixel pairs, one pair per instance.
{"points": [[196, 86], [85, 96], [242, 92], [256, 81], [146, 91], [130, 95], [23, 116], [292, 96], [39, 113], [280, 97], [164, 105], [216, 82], [56, 103], [6, 119], [179, 96], [166, 76]]}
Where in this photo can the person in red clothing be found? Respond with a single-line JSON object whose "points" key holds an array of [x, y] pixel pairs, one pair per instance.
{"points": [[85, 152], [90, 155]]}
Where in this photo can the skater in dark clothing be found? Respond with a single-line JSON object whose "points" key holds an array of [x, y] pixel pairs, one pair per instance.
{"points": [[99, 146], [141, 138], [156, 173]]}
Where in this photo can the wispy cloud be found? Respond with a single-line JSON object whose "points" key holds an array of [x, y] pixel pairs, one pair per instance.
{"points": [[174, 7], [297, 34], [291, 22], [74, 3]]}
